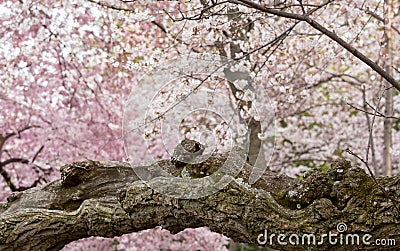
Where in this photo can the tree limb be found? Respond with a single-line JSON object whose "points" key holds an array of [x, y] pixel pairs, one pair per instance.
{"points": [[107, 199], [4, 173], [325, 31]]}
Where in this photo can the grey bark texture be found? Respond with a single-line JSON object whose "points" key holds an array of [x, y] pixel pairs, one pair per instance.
{"points": [[388, 122], [107, 199]]}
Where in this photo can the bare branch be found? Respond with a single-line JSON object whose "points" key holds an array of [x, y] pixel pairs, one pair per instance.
{"points": [[109, 6], [13, 160], [325, 31], [37, 153], [4, 173], [375, 113]]}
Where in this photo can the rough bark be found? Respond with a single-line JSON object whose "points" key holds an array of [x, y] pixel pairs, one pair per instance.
{"points": [[107, 199]]}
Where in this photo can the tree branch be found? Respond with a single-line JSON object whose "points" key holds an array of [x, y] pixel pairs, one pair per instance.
{"points": [[4, 138], [325, 31], [13, 160], [4, 173], [107, 199]]}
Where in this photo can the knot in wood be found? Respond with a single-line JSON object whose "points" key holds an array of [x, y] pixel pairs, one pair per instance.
{"points": [[186, 152]]}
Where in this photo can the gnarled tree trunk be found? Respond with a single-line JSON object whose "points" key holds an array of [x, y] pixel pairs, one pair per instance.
{"points": [[107, 199]]}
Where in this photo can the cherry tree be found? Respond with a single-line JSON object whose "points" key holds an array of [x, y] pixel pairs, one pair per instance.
{"points": [[68, 68]]}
